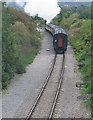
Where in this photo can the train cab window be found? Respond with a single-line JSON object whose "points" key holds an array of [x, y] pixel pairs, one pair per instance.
{"points": [[60, 41]]}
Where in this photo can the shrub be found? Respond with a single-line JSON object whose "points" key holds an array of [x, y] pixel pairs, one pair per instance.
{"points": [[78, 27], [5, 80], [21, 42]]}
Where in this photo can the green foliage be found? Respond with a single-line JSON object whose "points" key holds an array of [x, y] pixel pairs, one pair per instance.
{"points": [[67, 22], [57, 19], [5, 80], [20, 66], [80, 39], [21, 42], [40, 22], [81, 43], [76, 21], [84, 11]]}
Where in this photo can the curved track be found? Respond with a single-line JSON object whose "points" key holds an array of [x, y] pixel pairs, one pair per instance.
{"points": [[43, 89]]}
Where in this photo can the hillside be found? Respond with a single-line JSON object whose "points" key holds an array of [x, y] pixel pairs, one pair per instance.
{"points": [[77, 23], [20, 43], [70, 4]]}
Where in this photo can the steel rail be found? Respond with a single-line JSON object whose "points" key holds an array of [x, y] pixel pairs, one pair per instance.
{"points": [[42, 90], [58, 90]]}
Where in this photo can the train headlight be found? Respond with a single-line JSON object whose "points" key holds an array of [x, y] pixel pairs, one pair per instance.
{"points": [[55, 40]]}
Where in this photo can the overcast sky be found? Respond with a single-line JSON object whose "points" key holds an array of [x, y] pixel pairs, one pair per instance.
{"points": [[47, 9]]}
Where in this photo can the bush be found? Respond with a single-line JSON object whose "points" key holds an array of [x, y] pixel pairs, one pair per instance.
{"points": [[78, 27], [20, 68], [5, 80], [21, 42]]}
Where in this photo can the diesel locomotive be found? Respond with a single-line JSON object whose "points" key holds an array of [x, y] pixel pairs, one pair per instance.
{"points": [[59, 37]]}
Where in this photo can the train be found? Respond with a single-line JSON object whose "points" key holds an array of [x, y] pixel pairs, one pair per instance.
{"points": [[59, 37]]}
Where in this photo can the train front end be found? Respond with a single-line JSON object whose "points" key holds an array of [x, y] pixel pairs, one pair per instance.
{"points": [[59, 37], [60, 42]]}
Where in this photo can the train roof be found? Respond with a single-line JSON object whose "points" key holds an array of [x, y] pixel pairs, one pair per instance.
{"points": [[57, 29]]}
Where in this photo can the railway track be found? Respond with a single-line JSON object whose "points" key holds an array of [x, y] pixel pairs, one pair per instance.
{"points": [[46, 100]]}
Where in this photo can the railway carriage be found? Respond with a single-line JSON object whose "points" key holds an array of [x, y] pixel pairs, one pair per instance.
{"points": [[59, 38]]}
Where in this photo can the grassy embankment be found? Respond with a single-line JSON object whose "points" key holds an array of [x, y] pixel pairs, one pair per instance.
{"points": [[20, 43], [77, 23]]}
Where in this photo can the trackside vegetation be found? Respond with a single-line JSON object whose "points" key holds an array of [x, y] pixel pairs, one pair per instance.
{"points": [[77, 23], [39, 21], [20, 43]]}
